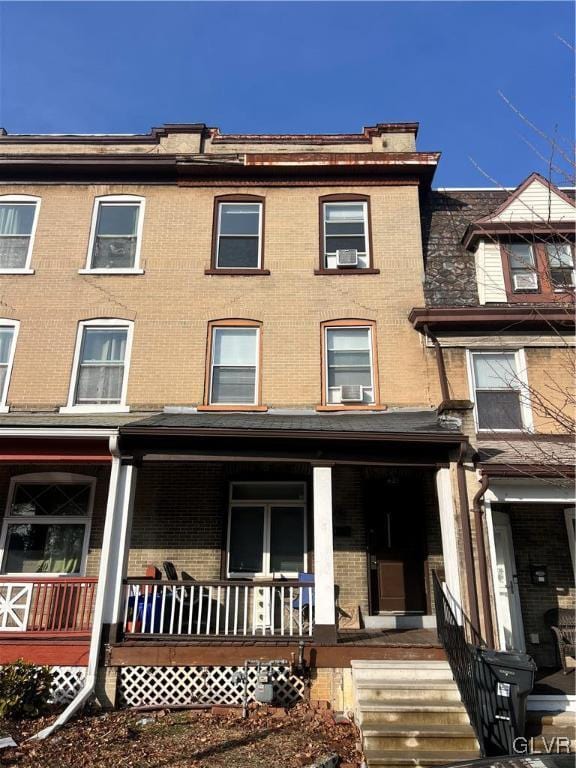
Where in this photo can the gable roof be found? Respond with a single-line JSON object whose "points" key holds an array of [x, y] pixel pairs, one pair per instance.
{"points": [[537, 200]]}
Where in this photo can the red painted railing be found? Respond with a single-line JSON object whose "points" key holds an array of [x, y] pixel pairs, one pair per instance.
{"points": [[59, 605]]}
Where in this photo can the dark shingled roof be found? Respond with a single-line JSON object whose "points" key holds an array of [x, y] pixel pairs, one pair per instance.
{"points": [[45, 419], [450, 273], [411, 422], [550, 452]]}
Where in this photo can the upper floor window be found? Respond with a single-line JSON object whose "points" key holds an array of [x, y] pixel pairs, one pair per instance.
{"points": [[560, 258], [500, 391], [234, 352], [47, 523], [238, 233], [349, 364], [345, 236], [100, 371], [116, 234], [18, 217], [538, 271], [8, 331]]}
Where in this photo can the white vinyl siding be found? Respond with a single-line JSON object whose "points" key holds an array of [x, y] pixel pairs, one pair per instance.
{"points": [[490, 273], [537, 203]]}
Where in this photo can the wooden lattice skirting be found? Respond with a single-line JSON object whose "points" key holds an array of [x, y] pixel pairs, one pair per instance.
{"points": [[182, 686], [66, 683]]}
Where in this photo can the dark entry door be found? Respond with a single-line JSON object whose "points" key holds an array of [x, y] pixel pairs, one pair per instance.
{"points": [[396, 536]]}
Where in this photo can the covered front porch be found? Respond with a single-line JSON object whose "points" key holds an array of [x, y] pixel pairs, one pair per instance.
{"points": [[285, 539]]}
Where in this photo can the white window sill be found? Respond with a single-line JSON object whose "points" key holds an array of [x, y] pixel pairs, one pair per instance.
{"points": [[110, 271], [17, 271], [95, 409], [4, 409]]}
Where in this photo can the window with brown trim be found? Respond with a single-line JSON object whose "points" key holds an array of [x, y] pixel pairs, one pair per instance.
{"points": [[238, 236], [349, 365], [233, 366], [345, 235], [538, 270]]}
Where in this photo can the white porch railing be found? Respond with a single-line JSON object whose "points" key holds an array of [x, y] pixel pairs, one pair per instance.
{"points": [[219, 609]]}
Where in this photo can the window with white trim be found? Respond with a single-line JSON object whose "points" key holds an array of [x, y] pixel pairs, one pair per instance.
{"points": [[239, 236], [267, 529], [500, 392], [47, 524], [7, 348], [100, 368], [18, 216], [234, 365], [349, 365], [523, 268], [116, 234], [345, 229]]}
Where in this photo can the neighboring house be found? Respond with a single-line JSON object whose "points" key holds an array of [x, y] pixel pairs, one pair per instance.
{"points": [[499, 291], [208, 372]]}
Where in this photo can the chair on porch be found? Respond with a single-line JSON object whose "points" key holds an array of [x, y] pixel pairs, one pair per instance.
{"points": [[307, 601], [563, 627], [183, 595]]}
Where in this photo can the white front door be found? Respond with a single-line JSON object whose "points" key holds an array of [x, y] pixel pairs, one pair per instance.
{"points": [[510, 626]]}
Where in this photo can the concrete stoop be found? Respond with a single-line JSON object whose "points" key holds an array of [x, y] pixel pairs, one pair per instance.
{"points": [[551, 731], [410, 714]]}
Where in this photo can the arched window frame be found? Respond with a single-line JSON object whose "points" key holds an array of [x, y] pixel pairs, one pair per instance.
{"points": [[26, 269], [120, 407], [15, 325], [120, 199]]}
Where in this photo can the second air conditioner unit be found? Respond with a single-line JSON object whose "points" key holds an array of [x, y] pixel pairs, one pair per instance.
{"points": [[351, 393], [525, 281], [346, 257]]}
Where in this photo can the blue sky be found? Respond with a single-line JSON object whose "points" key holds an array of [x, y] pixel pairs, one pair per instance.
{"points": [[299, 67]]}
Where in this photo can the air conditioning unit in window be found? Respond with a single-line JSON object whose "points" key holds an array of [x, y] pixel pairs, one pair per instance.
{"points": [[525, 281], [351, 393], [347, 257]]}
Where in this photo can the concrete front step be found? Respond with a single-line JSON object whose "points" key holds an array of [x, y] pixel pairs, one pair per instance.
{"points": [[382, 690], [543, 719], [427, 738], [425, 671], [411, 712], [417, 760]]}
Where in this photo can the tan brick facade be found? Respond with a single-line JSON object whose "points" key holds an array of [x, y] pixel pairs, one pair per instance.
{"points": [[173, 301]]}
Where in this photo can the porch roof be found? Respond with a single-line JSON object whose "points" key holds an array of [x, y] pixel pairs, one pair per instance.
{"points": [[549, 455], [423, 424]]}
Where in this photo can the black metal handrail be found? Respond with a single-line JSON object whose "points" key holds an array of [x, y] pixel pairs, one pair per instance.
{"points": [[461, 642]]}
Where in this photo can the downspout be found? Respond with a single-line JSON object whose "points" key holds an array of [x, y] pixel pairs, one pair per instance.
{"points": [[481, 548], [94, 654], [467, 540], [444, 387]]}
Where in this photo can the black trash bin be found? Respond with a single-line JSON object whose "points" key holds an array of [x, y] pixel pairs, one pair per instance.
{"points": [[504, 679]]}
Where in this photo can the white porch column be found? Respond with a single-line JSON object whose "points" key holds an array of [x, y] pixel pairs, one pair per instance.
{"points": [[119, 513], [448, 532], [325, 610]]}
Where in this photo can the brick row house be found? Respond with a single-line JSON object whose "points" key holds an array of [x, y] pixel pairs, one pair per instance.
{"points": [[215, 448]]}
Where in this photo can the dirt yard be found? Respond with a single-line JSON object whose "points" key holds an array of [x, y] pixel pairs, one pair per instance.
{"points": [[185, 739]]}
